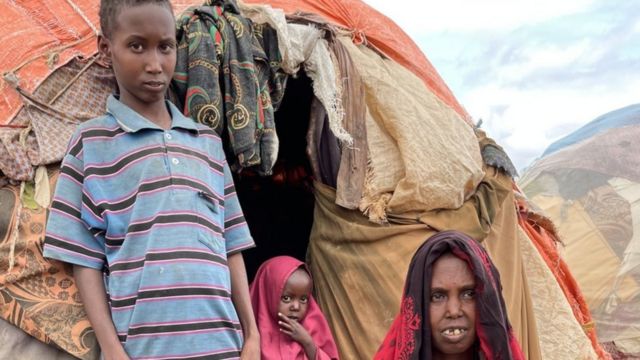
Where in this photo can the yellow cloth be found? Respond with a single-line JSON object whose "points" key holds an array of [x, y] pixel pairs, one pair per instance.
{"points": [[505, 252]]}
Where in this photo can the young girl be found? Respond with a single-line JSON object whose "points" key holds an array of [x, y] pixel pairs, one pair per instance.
{"points": [[289, 320]]}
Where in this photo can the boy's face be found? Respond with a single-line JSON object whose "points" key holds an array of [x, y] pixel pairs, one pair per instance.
{"points": [[142, 50]]}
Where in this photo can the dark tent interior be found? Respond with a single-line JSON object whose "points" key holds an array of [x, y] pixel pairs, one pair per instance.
{"points": [[279, 208]]}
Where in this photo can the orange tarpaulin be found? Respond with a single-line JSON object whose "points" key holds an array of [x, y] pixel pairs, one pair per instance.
{"points": [[40, 36]]}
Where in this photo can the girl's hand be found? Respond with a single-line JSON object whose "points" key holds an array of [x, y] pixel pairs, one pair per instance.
{"points": [[296, 331]]}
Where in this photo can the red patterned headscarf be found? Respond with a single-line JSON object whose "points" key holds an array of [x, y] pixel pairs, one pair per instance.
{"points": [[409, 337], [266, 290]]}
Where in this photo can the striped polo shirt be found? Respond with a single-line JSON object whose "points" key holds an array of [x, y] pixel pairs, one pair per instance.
{"points": [[157, 211]]}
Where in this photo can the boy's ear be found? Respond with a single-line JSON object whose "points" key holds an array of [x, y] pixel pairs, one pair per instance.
{"points": [[104, 48]]}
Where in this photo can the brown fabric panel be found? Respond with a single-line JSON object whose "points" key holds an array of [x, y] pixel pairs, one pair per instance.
{"points": [[353, 163], [503, 247], [316, 117], [8, 205], [39, 296]]}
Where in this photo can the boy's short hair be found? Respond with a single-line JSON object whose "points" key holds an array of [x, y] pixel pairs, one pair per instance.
{"points": [[109, 10]]}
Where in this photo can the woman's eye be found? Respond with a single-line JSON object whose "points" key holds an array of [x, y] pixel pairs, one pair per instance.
{"points": [[135, 47], [435, 297], [469, 294]]}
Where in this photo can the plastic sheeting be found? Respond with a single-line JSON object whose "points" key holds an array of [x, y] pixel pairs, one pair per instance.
{"points": [[38, 37], [589, 185]]}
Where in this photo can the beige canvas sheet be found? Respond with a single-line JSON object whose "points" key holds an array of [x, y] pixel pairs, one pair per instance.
{"points": [[561, 336], [423, 155]]}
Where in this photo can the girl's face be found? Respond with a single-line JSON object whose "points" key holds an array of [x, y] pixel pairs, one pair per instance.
{"points": [[294, 300]]}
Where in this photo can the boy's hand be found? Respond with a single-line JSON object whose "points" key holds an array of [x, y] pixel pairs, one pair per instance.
{"points": [[297, 332], [115, 354], [250, 349]]}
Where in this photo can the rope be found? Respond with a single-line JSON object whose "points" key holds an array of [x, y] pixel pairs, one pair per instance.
{"points": [[93, 59], [36, 57], [83, 16], [16, 228]]}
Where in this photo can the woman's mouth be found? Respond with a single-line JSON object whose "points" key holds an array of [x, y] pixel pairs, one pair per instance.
{"points": [[454, 334]]}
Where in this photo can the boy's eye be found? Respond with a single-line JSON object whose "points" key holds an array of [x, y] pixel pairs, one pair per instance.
{"points": [[437, 297], [285, 298], [135, 46], [167, 47]]}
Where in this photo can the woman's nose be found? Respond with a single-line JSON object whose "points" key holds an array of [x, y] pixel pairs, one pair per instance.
{"points": [[454, 307]]}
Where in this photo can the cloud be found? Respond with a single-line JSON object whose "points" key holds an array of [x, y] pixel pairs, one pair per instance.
{"points": [[419, 16], [533, 71]]}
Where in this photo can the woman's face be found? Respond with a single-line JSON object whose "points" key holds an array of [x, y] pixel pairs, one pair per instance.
{"points": [[452, 309], [294, 300]]}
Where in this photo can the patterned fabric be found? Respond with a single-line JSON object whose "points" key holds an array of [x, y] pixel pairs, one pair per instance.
{"points": [[52, 114], [266, 291], [158, 210], [227, 75], [410, 334], [40, 295], [611, 214], [14, 159]]}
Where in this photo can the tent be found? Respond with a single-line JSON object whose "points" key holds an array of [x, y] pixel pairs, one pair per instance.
{"points": [[588, 184], [375, 154]]}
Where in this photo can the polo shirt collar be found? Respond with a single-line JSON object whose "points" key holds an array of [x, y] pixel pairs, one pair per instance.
{"points": [[130, 121]]}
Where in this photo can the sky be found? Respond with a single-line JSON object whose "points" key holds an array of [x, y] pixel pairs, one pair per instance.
{"points": [[533, 71]]}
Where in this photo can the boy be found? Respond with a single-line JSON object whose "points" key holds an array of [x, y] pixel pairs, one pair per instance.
{"points": [[146, 198]]}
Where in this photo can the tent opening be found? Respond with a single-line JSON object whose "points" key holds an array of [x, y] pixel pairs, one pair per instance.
{"points": [[279, 208]]}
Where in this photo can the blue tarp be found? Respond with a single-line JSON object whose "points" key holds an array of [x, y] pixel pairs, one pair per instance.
{"points": [[629, 115]]}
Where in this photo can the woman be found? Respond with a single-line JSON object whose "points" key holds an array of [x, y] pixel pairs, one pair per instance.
{"points": [[452, 307]]}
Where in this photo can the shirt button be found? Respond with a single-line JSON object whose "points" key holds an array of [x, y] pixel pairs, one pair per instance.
{"points": [[175, 161], [168, 136]]}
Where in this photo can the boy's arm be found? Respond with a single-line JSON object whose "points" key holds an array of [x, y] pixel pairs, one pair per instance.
{"points": [[242, 303], [94, 297]]}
